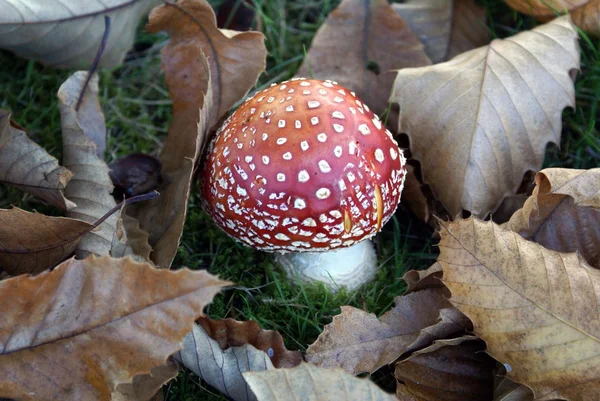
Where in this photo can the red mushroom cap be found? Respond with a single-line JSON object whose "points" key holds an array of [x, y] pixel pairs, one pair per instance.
{"points": [[303, 166]]}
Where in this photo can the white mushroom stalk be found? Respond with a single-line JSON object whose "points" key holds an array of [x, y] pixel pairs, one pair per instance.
{"points": [[305, 167]]}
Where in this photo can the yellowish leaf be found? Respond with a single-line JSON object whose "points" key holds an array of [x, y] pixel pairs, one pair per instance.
{"points": [[479, 122]]}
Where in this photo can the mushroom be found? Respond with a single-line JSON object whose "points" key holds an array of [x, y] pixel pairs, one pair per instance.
{"points": [[305, 167]]}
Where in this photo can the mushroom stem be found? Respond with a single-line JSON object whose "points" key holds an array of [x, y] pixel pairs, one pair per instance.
{"points": [[346, 267]]}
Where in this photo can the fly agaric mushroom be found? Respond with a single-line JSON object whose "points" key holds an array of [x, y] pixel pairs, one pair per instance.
{"points": [[305, 166]]}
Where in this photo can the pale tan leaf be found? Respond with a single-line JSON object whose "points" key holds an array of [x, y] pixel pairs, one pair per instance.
{"points": [[359, 342], [359, 45], [222, 369], [33, 242], [448, 370], [27, 166], [91, 187], [536, 309], [480, 121], [445, 27], [236, 60], [563, 213], [67, 33], [417, 280], [148, 386], [309, 382], [78, 332], [233, 333]]}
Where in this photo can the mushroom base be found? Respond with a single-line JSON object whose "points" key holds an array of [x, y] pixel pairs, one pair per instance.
{"points": [[347, 267]]}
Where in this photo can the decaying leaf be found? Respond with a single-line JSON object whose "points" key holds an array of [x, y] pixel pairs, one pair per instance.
{"points": [[236, 60], [91, 187], [33, 242], [359, 45], [222, 369], [233, 333], [27, 166], [478, 122], [536, 309], [417, 280], [147, 387], [445, 27], [310, 382], [135, 174], [563, 213], [448, 370], [67, 33], [359, 342], [90, 325]]}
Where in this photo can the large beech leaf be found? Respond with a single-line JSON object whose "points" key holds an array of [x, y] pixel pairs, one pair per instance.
{"points": [[536, 309], [448, 370], [85, 328], [67, 33], [33, 242], [563, 213], [359, 342], [309, 382], [222, 369], [359, 45], [446, 28], [27, 166], [479, 122]]}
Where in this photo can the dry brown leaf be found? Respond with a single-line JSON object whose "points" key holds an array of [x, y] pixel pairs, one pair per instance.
{"points": [[536, 309], [232, 333], [33, 242], [67, 33], [91, 325], [147, 387], [446, 28], [508, 390], [563, 213], [91, 186], [480, 121], [417, 280], [448, 370], [359, 45], [236, 60], [309, 382], [451, 323], [413, 196], [222, 369], [359, 342], [27, 166]]}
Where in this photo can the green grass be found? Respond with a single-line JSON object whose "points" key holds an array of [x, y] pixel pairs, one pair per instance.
{"points": [[137, 110]]}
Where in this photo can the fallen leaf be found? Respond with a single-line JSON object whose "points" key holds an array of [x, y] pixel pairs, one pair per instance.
{"points": [[480, 121], [359, 342], [448, 370], [232, 333], [508, 390], [309, 382], [413, 196], [27, 166], [79, 331], [417, 280], [148, 386], [33, 242], [359, 45], [451, 323], [67, 33], [135, 174], [91, 186], [222, 369], [563, 213], [446, 28], [536, 309], [236, 60]]}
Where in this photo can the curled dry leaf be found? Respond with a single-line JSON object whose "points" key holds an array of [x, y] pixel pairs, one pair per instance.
{"points": [[27, 166], [488, 114], [91, 186], [563, 213], [413, 196], [446, 28], [451, 323], [417, 280], [222, 369], [359, 342], [536, 309], [448, 370], [64, 329], [232, 333], [135, 174], [359, 45], [67, 33], [508, 390], [309, 382], [33, 242], [148, 386]]}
